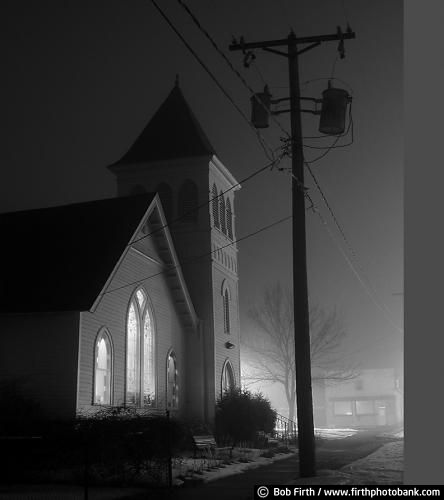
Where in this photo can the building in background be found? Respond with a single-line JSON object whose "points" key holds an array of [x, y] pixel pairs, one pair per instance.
{"points": [[132, 300], [375, 398]]}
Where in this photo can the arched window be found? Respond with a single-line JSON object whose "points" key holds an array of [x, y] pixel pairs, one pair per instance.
{"points": [[215, 206], [229, 219], [226, 298], [102, 369], [172, 381], [223, 220], [140, 364], [228, 381], [166, 197], [188, 201]]}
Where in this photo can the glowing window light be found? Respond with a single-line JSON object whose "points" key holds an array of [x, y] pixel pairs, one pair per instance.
{"points": [[102, 372], [140, 355]]}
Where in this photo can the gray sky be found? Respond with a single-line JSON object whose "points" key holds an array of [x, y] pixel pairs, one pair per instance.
{"points": [[82, 80]]}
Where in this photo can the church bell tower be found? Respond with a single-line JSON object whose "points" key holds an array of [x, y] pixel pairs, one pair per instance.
{"points": [[173, 157]]}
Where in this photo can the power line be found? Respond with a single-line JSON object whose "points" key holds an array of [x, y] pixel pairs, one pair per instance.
{"points": [[249, 88], [259, 72], [334, 66], [325, 153], [270, 165], [368, 285], [208, 71], [335, 219], [198, 257], [370, 292], [327, 149], [229, 63], [261, 139], [304, 84]]}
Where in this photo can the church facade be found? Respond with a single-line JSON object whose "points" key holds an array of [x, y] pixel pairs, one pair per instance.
{"points": [[132, 300]]}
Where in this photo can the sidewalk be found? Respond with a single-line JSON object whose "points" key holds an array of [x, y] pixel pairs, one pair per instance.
{"points": [[384, 466]]}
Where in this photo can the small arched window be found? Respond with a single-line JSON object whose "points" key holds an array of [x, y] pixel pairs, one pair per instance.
{"points": [[229, 219], [215, 206], [188, 201], [140, 361], [166, 197], [172, 381], [102, 369], [228, 381], [223, 220]]}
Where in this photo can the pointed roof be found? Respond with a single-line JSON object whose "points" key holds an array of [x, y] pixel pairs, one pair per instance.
{"points": [[173, 132]]}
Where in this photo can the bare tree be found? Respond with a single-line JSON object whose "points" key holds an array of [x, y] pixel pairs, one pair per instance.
{"points": [[270, 349]]}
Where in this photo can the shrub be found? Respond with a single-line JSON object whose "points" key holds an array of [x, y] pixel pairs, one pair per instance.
{"points": [[120, 436], [114, 443], [241, 415]]}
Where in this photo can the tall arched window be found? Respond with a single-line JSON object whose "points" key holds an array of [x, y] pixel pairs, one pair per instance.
{"points": [[223, 220], [226, 301], [229, 220], [228, 380], [102, 369], [172, 381], [188, 201], [166, 197], [140, 364], [215, 206]]}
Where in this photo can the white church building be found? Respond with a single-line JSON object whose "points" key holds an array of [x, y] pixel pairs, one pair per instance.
{"points": [[131, 300]]}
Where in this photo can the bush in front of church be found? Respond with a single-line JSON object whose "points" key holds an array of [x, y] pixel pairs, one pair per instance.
{"points": [[241, 416]]}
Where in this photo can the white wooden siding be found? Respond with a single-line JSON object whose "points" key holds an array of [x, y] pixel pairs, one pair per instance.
{"points": [[221, 353], [112, 313]]}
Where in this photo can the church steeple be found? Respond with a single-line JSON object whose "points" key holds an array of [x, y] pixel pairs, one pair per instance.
{"points": [[173, 132], [173, 157]]}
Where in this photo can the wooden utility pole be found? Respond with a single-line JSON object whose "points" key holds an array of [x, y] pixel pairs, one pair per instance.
{"points": [[304, 400]]}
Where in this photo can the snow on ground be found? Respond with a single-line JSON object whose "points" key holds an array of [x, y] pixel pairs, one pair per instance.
{"points": [[335, 433], [209, 469], [384, 466], [395, 434]]}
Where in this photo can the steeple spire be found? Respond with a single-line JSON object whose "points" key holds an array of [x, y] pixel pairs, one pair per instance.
{"points": [[173, 132]]}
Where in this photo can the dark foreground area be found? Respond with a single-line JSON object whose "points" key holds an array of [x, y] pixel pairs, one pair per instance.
{"points": [[331, 454]]}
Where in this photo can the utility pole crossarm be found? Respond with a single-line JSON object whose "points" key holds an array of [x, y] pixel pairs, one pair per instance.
{"points": [[258, 45], [284, 41]]}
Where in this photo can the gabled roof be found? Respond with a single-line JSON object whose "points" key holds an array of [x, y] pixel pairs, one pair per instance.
{"points": [[173, 132], [59, 258]]}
